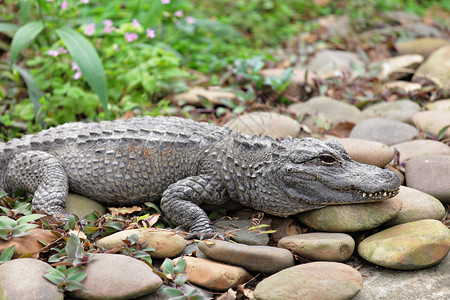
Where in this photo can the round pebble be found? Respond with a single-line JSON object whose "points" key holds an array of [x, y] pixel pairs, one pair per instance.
{"points": [[443, 104], [408, 246], [80, 206], [23, 279], [430, 174], [333, 110], [193, 96], [402, 110], [416, 148], [368, 152], [416, 205], [263, 259], [351, 217], [28, 243], [320, 246], [433, 121], [423, 46], [311, 281], [385, 131], [214, 275], [265, 123], [114, 276], [165, 242]]}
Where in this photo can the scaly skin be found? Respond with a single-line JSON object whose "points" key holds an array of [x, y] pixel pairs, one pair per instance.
{"points": [[185, 163]]}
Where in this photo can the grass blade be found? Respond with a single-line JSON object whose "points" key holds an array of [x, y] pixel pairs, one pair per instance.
{"points": [[89, 62], [8, 27], [23, 36]]}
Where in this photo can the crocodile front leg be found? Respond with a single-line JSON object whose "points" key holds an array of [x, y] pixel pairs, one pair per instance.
{"points": [[41, 175], [180, 203]]}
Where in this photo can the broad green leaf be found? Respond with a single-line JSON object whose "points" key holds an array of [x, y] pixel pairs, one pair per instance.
{"points": [[8, 27], [56, 280], [72, 222], [6, 222], [23, 227], [55, 272], [7, 253], [23, 36], [167, 266], [172, 292], [29, 218], [72, 286], [154, 206], [180, 279], [78, 276], [115, 225], [89, 62], [179, 268]]}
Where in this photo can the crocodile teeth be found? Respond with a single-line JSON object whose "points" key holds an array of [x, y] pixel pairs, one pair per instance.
{"points": [[370, 195], [384, 194], [364, 195]]}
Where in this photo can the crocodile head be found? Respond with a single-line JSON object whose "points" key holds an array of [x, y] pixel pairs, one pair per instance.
{"points": [[322, 173]]}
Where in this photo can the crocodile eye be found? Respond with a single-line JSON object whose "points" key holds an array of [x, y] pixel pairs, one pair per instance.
{"points": [[327, 159]]}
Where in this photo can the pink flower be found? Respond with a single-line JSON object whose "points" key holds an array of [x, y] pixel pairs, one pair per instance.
{"points": [[165, 1], [64, 5], [136, 23], [108, 23], [190, 20], [62, 50], [84, 1], [90, 29], [50, 0], [116, 47], [150, 33], [53, 53], [131, 36], [178, 13], [77, 70]]}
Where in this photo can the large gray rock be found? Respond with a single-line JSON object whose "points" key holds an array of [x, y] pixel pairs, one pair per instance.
{"points": [[320, 246], [422, 46], [263, 259], [417, 148], [316, 280], [426, 284], [433, 121], [385, 131], [416, 205], [114, 276], [402, 110], [327, 62], [165, 242], [408, 246], [436, 70], [430, 174], [325, 107], [351, 217], [265, 123], [23, 279]]}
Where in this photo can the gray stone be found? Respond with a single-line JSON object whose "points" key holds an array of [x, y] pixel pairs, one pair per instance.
{"points": [[316, 280], [241, 233], [422, 46], [80, 205], [433, 121], [416, 205], [385, 131], [417, 148], [114, 276], [320, 246], [265, 123], [426, 284], [165, 242], [194, 95], [327, 62], [23, 279], [443, 104], [430, 174], [368, 152], [436, 70], [263, 259], [317, 108], [402, 110], [351, 217], [403, 86], [398, 67], [409, 246]]}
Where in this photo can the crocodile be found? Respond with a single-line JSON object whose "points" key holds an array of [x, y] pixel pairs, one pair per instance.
{"points": [[183, 163]]}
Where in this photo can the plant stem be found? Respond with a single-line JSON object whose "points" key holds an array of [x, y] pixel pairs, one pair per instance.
{"points": [[41, 16]]}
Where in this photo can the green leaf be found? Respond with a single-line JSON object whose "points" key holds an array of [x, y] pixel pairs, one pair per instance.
{"points": [[6, 222], [56, 280], [72, 222], [78, 277], [172, 292], [55, 272], [442, 132], [23, 227], [115, 225], [73, 286], [180, 279], [154, 206], [181, 265], [8, 27], [29, 218], [89, 62], [7, 254], [167, 266], [23, 36]]}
